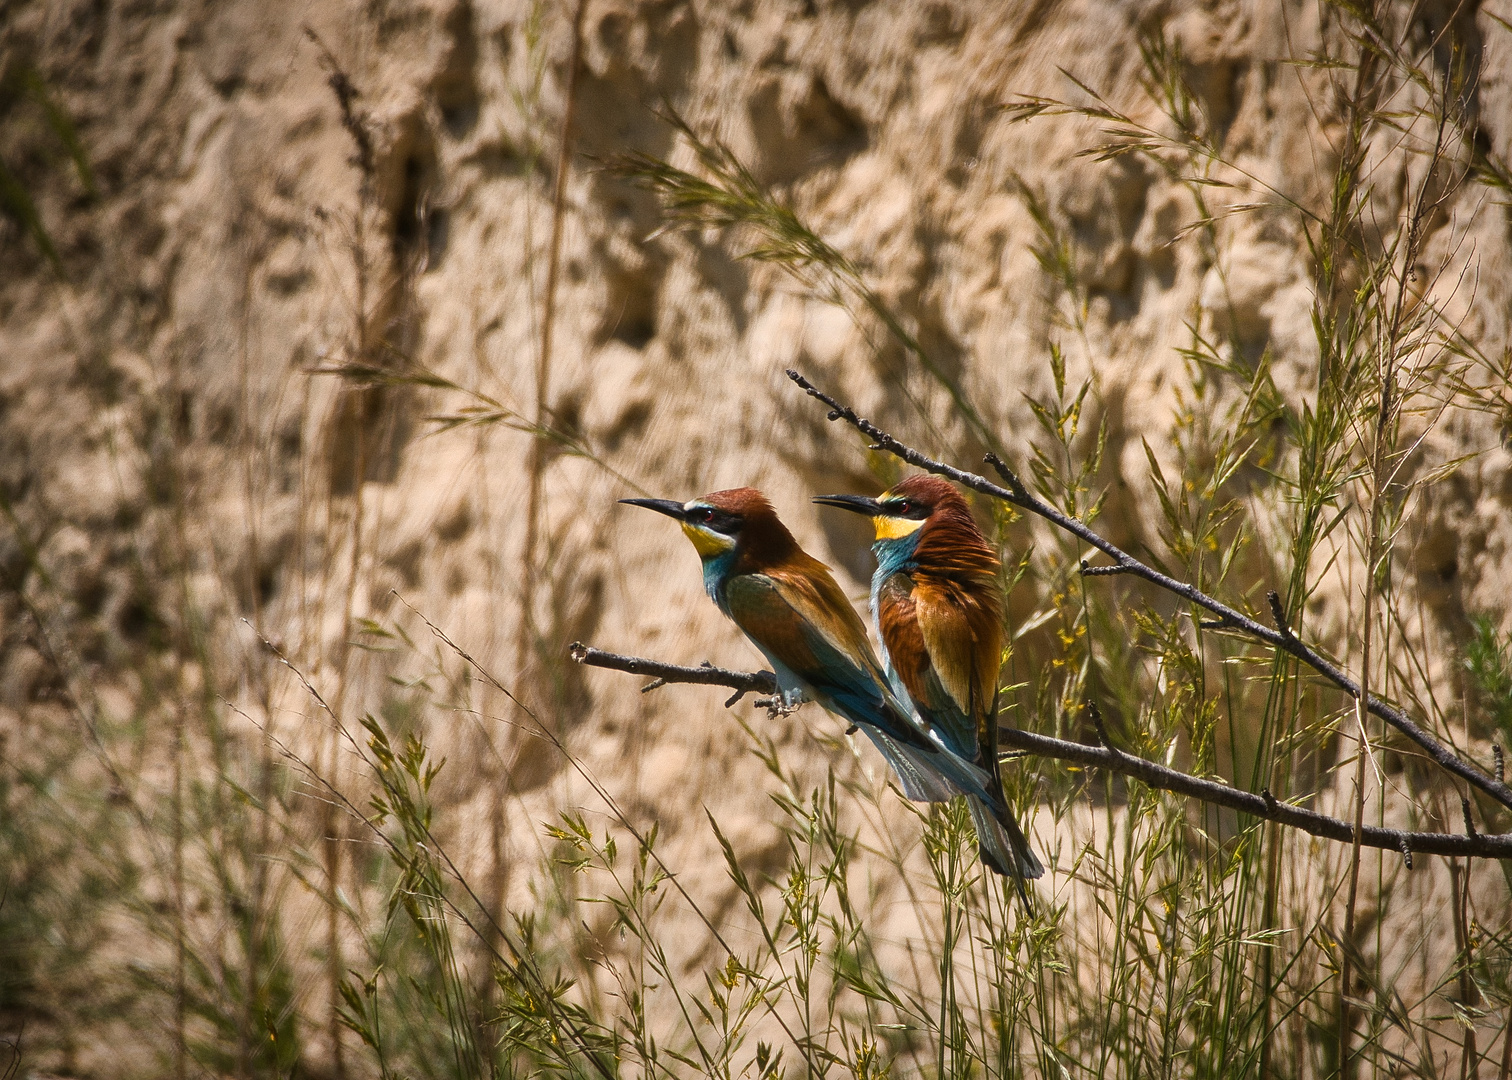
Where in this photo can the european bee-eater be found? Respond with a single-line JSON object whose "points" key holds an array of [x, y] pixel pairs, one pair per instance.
{"points": [[791, 608], [939, 613]]}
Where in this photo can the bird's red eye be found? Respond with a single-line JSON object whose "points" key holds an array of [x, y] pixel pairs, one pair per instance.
{"points": [[706, 514], [905, 507]]}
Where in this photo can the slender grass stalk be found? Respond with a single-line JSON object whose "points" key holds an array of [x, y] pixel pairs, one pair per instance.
{"points": [[540, 445], [180, 908]]}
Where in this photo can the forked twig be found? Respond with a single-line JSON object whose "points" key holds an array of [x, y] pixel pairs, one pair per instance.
{"points": [[1282, 638]]}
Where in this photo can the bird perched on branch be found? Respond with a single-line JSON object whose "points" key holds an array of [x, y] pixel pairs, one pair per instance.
{"points": [[939, 613], [791, 608]]}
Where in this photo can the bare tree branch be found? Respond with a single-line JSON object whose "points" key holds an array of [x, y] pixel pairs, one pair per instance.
{"points": [[742, 682], [1282, 638], [1264, 805]]}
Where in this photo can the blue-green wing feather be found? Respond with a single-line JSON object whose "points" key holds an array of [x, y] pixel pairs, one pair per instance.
{"points": [[798, 627], [957, 729]]}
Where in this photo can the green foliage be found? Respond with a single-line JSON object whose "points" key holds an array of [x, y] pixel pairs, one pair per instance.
{"points": [[416, 1011], [22, 87], [52, 922], [1488, 660]]}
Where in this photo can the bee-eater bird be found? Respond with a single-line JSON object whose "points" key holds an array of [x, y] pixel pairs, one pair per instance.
{"points": [[939, 613], [790, 607]]}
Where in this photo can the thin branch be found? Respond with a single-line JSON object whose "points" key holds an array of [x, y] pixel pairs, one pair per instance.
{"points": [[1283, 639], [1264, 805], [747, 682], [1102, 571]]}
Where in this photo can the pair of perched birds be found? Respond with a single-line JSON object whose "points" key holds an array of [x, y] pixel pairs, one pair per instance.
{"points": [[938, 610]]}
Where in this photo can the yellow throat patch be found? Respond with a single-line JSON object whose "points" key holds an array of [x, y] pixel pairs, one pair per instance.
{"points": [[896, 528], [707, 542]]}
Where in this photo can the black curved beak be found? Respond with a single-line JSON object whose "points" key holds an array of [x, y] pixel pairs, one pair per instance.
{"points": [[661, 506], [859, 504]]}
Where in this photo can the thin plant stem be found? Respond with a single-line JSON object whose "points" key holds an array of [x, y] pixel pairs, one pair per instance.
{"points": [[1377, 551], [180, 907], [361, 347], [1506, 1059], [540, 445], [1469, 997]]}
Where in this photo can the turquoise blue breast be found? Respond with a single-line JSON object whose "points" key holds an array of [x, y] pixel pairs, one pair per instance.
{"points": [[716, 571], [896, 556]]}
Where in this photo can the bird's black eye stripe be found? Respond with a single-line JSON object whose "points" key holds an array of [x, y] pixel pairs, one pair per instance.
{"points": [[721, 521], [905, 508]]}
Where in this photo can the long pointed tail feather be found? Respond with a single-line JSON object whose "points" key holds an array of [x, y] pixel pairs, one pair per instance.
{"points": [[1004, 848], [921, 778]]}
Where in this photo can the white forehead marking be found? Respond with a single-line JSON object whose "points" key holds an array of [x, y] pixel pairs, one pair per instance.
{"points": [[694, 504]]}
